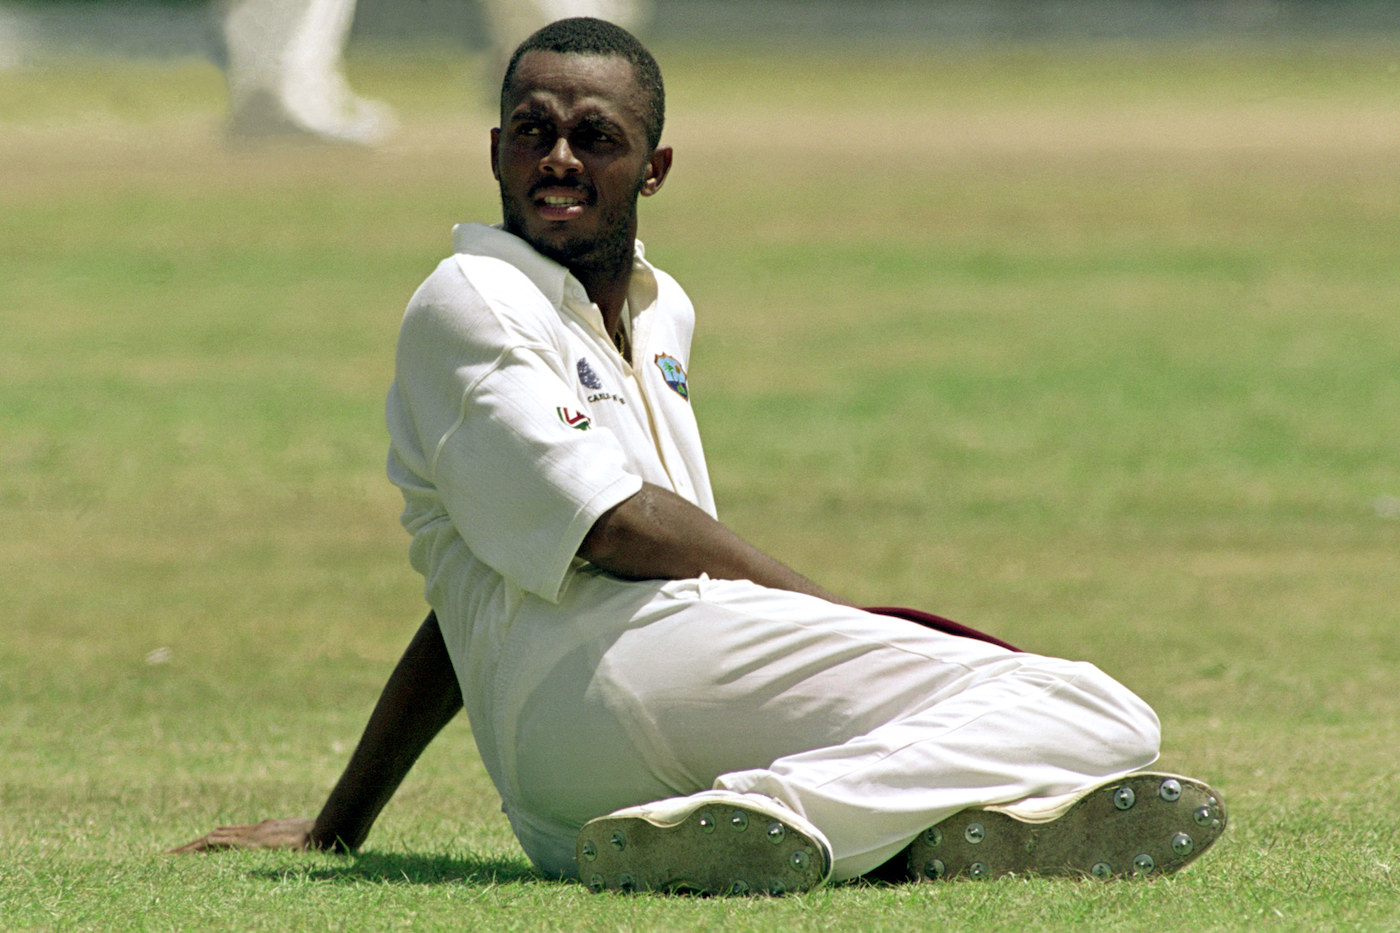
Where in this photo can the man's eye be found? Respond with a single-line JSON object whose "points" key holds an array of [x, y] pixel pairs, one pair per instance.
{"points": [[531, 129]]}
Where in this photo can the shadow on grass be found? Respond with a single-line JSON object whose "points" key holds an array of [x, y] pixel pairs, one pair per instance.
{"points": [[408, 868]]}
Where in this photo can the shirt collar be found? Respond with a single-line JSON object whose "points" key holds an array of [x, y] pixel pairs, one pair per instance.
{"points": [[552, 279]]}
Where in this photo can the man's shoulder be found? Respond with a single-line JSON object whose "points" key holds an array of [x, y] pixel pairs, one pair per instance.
{"points": [[668, 293], [672, 301], [669, 289], [478, 298], [446, 290]]}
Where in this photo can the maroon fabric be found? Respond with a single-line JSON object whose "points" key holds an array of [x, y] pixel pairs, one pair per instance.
{"points": [[948, 626]]}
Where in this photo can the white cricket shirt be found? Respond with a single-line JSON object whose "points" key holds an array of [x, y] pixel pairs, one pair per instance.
{"points": [[514, 421], [514, 424]]}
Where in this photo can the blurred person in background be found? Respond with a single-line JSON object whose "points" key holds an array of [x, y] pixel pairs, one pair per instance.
{"points": [[284, 61]]}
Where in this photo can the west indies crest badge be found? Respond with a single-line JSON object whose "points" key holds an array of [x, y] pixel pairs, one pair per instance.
{"points": [[674, 374]]}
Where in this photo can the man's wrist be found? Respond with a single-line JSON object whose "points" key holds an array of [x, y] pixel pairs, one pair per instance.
{"points": [[326, 838]]}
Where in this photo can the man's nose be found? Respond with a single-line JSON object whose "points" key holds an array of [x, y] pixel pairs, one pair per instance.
{"points": [[560, 160]]}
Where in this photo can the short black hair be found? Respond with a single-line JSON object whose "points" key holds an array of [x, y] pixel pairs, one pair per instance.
{"points": [[585, 35]]}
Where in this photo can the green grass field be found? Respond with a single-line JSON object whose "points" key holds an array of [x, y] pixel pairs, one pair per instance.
{"points": [[1096, 348]]}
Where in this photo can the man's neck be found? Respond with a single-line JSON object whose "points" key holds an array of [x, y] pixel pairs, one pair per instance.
{"points": [[607, 290]]}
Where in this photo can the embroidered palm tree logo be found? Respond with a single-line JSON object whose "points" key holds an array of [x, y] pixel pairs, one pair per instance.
{"points": [[673, 373]]}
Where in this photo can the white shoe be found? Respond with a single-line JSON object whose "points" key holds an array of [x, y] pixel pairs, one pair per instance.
{"points": [[263, 114], [1140, 825], [713, 842]]}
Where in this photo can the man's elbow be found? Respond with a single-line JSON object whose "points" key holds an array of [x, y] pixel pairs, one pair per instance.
{"points": [[619, 541]]}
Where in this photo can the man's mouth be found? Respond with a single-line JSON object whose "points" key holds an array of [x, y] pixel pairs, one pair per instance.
{"points": [[557, 204]]}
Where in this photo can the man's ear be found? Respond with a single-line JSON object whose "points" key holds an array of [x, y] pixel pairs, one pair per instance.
{"points": [[658, 166], [495, 151]]}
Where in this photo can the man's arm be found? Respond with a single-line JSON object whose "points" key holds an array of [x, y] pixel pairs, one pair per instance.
{"points": [[656, 534], [421, 696]]}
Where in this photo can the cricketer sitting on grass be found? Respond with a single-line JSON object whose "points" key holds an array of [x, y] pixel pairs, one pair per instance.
{"points": [[660, 705]]}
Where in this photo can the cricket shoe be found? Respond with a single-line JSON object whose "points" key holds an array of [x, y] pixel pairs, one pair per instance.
{"points": [[1140, 825], [713, 842]]}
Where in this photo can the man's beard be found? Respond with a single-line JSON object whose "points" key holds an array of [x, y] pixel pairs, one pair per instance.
{"points": [[611, 250]]}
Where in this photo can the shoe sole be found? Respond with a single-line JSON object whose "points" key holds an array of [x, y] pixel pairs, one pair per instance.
{"points": [[718, 849], [1141, 825]]}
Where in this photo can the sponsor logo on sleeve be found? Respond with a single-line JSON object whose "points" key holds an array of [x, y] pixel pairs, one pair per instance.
{"points": [[574, 419], [674, 374]]}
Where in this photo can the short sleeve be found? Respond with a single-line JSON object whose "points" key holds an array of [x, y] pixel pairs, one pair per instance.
{"points": [[525, 475], [487, 418]]}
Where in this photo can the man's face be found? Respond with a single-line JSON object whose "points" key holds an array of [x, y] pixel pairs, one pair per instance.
{"points": [[572, 157]]}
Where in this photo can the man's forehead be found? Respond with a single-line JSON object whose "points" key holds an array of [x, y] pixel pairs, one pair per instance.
{"points": [[603, 83]]}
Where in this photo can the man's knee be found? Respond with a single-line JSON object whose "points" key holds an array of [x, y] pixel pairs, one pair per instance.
{"points": [[1132, 733]]}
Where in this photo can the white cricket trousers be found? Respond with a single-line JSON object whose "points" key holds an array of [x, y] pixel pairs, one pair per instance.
{"points": [[873, 728]]}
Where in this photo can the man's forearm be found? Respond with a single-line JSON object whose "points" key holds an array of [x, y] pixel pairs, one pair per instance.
{"points": [[421, 696], [656, 534]]}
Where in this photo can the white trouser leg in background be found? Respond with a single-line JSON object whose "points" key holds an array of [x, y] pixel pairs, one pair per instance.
{"points": [[512, 21], [284, 72], [872, 728]]}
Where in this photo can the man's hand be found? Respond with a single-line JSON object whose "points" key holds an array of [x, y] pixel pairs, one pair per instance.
{"points": [[287, 833], [420, 698]]}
